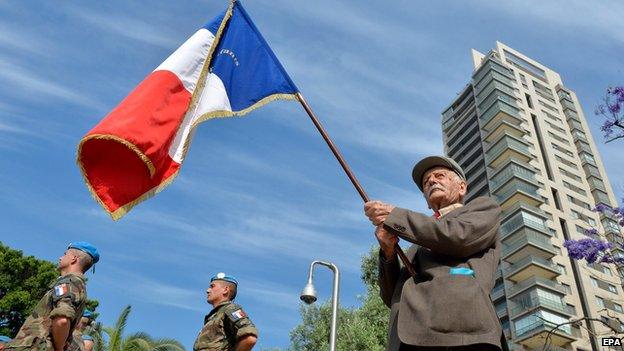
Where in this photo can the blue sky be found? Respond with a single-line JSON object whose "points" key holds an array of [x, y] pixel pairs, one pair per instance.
{"points": [[260, 196]]}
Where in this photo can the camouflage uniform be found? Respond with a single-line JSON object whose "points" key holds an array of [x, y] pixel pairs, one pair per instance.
{"points": [[76, 343], [223, 326], [67, 297]]}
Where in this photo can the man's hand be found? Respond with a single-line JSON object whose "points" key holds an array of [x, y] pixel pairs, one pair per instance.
{"points": [[387, 241], [377, 211]]}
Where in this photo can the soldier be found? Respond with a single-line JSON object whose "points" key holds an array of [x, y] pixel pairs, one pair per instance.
{"points": [[226, 327], [80, 337], [87, 339], [3, 340], [49, 327]]}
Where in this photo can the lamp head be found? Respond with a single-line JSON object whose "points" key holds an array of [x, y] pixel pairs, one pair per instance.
{"points": [[308, 295]]}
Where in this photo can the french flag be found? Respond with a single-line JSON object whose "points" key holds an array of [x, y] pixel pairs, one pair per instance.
{"points": [[225, 69]]}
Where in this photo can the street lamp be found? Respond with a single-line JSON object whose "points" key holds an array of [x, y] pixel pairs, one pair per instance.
{"points": [[308, 295]]}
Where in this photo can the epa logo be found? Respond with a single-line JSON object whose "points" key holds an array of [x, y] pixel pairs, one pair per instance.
{"points": [[611, 341]]}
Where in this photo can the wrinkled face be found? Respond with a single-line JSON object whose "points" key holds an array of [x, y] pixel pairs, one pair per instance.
{"points": [[442, 187], [217, 292]]}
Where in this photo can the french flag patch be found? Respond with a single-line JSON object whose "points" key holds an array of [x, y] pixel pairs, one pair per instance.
{"points": [[61, 289], [238, 314]]}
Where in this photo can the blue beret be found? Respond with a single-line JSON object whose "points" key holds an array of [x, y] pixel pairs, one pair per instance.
{"points": [[86, 247], [225, 277], [87, 337], [4, 338], [87, 314]]}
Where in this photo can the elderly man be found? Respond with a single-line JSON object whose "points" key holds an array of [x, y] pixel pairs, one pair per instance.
{"points": [[227, 327], [52, 322], [455, 254]]}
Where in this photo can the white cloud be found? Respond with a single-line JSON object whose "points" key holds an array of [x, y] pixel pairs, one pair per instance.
{"points": [[141, 288], [123, 26], [36, 87], [604, 18]]}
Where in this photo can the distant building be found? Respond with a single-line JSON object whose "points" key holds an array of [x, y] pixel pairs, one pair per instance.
{"points": [[521, 136]]}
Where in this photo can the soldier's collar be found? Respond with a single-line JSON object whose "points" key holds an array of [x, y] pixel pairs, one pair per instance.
{"points": [[221, 304], [449, 208], [77, 274]]}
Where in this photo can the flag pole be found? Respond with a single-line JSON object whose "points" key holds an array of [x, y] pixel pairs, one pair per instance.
{"points": [[349, 173]]}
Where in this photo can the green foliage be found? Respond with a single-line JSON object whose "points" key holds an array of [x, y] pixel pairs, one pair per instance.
{"points": [[23, 282], [362, 328], [139, 341]]}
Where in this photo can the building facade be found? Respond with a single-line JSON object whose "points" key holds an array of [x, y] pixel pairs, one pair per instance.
{"points": [[521, 137]]}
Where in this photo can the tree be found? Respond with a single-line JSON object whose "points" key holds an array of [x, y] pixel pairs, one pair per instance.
{"points": [[362, 328], [23, 281], [613, 111], [139, 341], [597, 247]]}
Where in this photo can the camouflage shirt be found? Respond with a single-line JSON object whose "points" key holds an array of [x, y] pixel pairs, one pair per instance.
{"points": [[76, 343], [223, 326], [66, 298]]}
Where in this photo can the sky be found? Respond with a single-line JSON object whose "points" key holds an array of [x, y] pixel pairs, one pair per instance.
{"points": [[261, 196]]}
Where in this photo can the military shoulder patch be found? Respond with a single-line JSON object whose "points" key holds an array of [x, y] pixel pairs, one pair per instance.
{"points": [[238, 314], [61, 289]]}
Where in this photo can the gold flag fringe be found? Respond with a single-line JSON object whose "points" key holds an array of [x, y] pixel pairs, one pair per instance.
{"points": [[121, 211]]}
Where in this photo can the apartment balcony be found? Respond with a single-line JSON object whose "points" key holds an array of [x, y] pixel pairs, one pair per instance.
{"points": [[510, 170], [505, 148], [497, 112], [511, 210], [501, 312], [534, 335], [534, 282], [519, 225], [531, 266], [596, 184], [592, 171], [498, 292], [489, 66], [533, 244], [518, 192], [601, 197], [530, 306], [568, 105], [504, 127], [486, 90]]}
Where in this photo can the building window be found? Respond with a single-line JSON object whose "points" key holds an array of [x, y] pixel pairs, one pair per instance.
{"points": [[562, 268], [528, 100], [606, 270], [556, 198], [617, 307], [594, 281], [612, 289], [600, 302]]}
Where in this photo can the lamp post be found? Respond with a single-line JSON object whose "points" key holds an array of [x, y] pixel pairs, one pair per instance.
{"points": [[308, 295]]}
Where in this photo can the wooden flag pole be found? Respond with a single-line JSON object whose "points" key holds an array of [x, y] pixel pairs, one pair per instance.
{"points": [[350, 174]]}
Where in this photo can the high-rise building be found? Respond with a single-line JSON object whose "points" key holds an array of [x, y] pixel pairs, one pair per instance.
{"points": [[521, 137]]}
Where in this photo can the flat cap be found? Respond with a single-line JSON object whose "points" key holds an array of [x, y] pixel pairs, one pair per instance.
{"points": [[434, 161]]}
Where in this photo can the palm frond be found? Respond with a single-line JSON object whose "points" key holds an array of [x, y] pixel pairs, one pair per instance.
{"points": [[116, 333]]}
